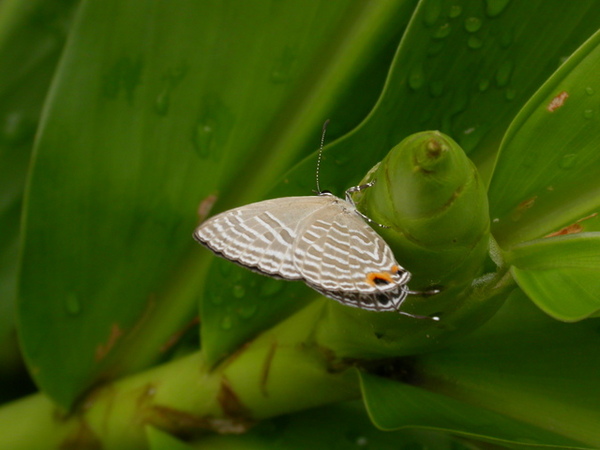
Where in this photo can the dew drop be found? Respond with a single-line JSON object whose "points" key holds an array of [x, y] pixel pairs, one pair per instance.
{"points": [[282, 71], [442, 32], [435, 48], [472, 24], [510, 94], [474, 42], [495, 7], [362, 441], [416, 78], [271, 287], [504, 73], [161, 104], [589, 90], [568, 161], [247, 311], [226, 323], [483, 85], [225, 267], [432, 12], [216, 298], [436, 88], [239, 291], [471, 137], [123, 78], [506, 39], [15, 128], [72, 305], [455, 11], [588, 113], [204, 137]]}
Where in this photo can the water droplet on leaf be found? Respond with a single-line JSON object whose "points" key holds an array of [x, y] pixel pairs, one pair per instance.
{"points": [[472, 24], [72, 305]]}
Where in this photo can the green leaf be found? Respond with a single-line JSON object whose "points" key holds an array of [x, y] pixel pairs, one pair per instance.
{"points": [[343, 426], [159, 440], [153, 109], [32, 35], [436, 81], [393, 405], [548, 171], [561, 274], [238, 304], [527, 367]]}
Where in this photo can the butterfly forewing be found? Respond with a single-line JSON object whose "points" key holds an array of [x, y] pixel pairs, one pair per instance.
{"points": [[261, 235]]}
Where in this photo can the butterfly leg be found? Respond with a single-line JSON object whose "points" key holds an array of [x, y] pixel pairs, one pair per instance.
{"points": [[349, 199], [354, 189]]}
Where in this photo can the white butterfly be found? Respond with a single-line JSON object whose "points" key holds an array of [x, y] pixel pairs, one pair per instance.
{"points": [[321, 240]]}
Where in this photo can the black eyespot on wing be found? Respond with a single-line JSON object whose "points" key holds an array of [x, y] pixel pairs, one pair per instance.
{"points": [[382, 299], [380, 281]]}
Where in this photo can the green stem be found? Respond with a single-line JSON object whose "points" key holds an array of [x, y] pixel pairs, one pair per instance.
{"points": [[281, 371]]}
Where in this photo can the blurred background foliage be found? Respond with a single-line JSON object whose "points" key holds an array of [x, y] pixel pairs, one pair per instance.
{"points": [[123, 124]]}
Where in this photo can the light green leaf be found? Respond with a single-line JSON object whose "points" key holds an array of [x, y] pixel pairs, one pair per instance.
{"points": [[393, 405], [560, 274], [527, 367], [159, 440], [548, 171]]}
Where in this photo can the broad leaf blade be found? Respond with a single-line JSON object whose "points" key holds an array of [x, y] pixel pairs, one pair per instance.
{"points": [[394, 405], [237, 304], [32, 35], [153, 109], [548, 171], [561, 274], [526, 366], [478, 99]]}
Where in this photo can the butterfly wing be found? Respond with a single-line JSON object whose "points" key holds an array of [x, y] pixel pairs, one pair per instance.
{"points": [[260, 236], [341, 256]]}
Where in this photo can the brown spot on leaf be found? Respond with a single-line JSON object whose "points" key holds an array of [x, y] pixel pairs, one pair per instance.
{"points": [[522, 207], [266, 369], [175, 337], [81, 437], [103, 349], [205, 207], [557, 101], [573, 228], [230, 402]]}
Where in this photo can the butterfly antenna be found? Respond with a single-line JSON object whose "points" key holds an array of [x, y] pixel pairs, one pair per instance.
{"points": [[321, 153]]}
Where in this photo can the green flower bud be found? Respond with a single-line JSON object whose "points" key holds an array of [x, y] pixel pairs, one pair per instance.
{"points": [[433, 205], [429, 195]]}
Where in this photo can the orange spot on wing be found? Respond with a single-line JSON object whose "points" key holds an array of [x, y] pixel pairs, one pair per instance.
{"points": [[381, 276]]}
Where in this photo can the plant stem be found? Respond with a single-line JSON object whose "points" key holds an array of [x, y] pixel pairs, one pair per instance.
{"points": [[279, 372]]}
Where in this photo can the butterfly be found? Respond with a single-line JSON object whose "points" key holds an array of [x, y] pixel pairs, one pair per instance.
{"points": [[322, 240]]}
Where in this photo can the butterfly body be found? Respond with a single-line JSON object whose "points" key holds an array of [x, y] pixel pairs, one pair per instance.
{"points": [[322, 240]]}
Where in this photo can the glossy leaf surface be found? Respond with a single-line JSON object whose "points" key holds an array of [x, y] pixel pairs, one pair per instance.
{"points": [[561, 274], [548, 171]]}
